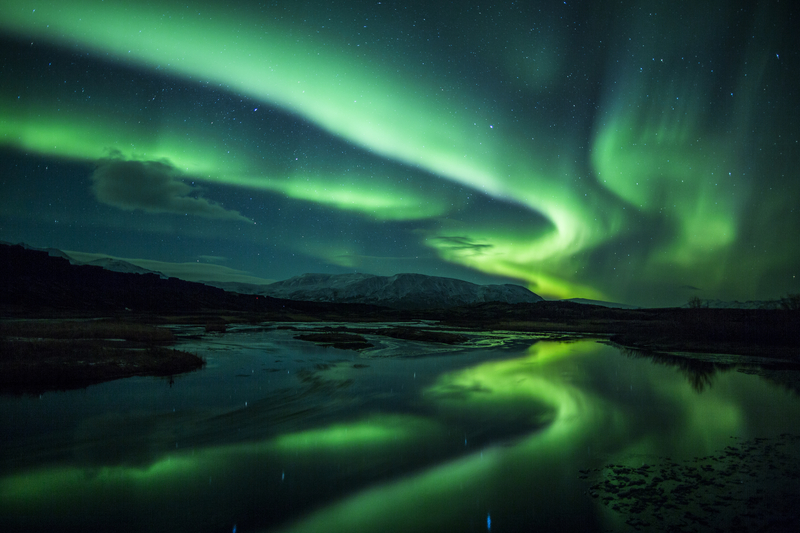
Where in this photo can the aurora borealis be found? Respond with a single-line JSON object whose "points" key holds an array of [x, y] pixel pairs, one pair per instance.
{"points": [[642, 152]]}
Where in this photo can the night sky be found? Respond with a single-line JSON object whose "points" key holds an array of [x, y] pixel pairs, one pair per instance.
{"points": [[642, 152]]}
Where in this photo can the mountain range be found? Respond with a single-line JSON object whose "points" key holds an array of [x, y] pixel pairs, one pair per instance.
{"points": [[401, 291], [50, 278]]}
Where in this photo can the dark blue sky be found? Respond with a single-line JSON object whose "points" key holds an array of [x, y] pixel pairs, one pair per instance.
{"points": [[642, 152]]}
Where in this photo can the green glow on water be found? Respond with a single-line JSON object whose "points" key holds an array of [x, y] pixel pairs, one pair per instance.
{"points": [[576, 402], [375, 432], [61, 491], [515, 380], [446, 495]]}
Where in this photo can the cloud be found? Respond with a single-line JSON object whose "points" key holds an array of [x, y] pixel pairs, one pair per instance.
{"points": [[154, 187], [461, 242], [212, 258], [195, 271]]}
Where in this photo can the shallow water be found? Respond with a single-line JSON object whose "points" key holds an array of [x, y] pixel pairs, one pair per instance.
{"points": [[279, 434]]}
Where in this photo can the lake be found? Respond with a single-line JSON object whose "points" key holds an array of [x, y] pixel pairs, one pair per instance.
{"points": [[507, 433]]}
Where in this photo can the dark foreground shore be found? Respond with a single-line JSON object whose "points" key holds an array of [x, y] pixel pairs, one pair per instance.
{"points": [[68, 351], [41, 355], [750, 485]]}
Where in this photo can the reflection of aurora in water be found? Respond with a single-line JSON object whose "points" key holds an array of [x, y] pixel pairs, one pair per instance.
{"points": [[445, 459], [511, 484]]}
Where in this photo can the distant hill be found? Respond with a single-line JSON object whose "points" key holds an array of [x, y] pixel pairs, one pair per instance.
{"points": [[749, 304], [236, 286], [612, 305], [707, 304], [117, 265], [107, 263], [35, 283], [50, 278], [401, 291]]}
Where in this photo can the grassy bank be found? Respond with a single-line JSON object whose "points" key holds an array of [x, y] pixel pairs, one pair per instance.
{"points": [[36, 356], [84, 329], [337, 339]]}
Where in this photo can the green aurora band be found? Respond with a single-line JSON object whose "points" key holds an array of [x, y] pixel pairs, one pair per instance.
{"points": [[658, 156], [72, 135]]}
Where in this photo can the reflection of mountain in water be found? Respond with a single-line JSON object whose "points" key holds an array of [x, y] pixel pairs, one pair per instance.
{"points": [[699, 374]]}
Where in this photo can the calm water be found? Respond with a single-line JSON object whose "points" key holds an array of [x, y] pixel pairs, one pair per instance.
{"points": [[279, 434]]}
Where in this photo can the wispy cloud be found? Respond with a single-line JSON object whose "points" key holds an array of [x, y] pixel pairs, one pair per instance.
{"points": [[196, 271], [212, 258], [154, 187], [460, 242]]}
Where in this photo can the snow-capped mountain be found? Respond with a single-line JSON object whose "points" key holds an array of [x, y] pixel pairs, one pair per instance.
{"points": [[406, 291]]}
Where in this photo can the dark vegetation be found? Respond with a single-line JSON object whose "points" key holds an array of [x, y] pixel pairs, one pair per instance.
{"points": [[34, 285], [762, 332], [43, 355], [217, 325], [85, 330], [791, 302], [337, 339], [352, 339], [422, 335], [747, 486]]}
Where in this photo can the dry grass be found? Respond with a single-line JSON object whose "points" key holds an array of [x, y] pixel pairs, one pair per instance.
{"points": [[36, 356], [51, 364], [84, 329], [344, 341]]}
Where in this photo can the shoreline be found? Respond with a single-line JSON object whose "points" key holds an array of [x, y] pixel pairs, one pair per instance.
{"points": [[42, 356], [68, 351]]}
